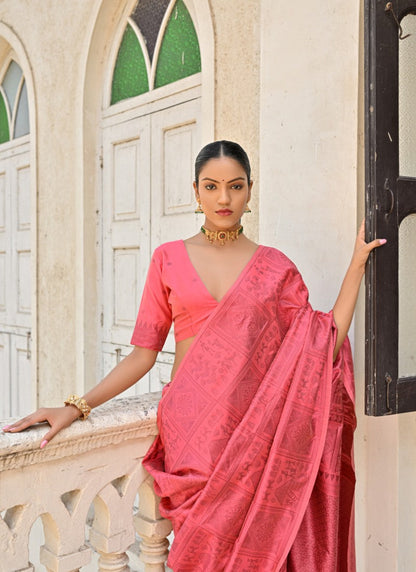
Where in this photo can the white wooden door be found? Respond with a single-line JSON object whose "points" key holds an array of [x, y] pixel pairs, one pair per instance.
{"points": [[176, 140], [5, 382], [15, 281], [125, 243], [147, 200]]}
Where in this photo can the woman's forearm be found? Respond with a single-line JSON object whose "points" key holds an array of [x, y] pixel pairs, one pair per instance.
{"points": [[132, 368], [344, 306], [347, 298], [124, 375]]}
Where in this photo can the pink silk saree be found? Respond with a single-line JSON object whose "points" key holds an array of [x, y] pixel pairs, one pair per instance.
{"points": [[253, 462]]}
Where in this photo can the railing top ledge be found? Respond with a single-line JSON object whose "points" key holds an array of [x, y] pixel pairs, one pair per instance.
{"points": [[109, 424]]}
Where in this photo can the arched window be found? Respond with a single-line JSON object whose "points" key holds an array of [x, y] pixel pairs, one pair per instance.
{"points": [[159, 46], [14, 111]]}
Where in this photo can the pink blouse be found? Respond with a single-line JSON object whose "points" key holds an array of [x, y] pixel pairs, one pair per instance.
{"points": [[173, 291]]}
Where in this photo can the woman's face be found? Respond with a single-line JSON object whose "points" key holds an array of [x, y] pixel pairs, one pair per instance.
{"points": [[223, 191]]}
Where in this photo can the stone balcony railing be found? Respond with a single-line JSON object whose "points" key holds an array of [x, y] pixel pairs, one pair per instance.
{"points": [[89, 489]]}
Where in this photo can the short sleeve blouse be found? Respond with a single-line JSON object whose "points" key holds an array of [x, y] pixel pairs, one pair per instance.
{"points": [[173, 292]]}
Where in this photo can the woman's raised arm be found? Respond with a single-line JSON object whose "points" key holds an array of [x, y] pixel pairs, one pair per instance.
{"points": [[132, 368], [347, 298]]}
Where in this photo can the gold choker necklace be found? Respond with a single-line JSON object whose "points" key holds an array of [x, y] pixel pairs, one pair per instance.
{"points": [[221, 236]]}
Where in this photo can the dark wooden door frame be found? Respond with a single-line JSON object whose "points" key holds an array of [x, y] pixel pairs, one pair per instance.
{"points": [[389, 199]]}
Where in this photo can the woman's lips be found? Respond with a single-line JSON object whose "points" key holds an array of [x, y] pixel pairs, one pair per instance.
{"points": [[224, 212]]}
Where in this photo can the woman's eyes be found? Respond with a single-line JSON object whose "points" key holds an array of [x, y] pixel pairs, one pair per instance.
{"points": [[211, 187]]}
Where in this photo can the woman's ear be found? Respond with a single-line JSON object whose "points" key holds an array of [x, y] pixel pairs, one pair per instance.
{"points": [[250, 185], [196, 190]]}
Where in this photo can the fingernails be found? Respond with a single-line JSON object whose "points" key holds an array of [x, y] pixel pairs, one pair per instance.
{"points": [[382, 240], [43, 444], [5, 427]]}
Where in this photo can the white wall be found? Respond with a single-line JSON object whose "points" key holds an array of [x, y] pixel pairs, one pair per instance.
{"points": [[308, 138]]}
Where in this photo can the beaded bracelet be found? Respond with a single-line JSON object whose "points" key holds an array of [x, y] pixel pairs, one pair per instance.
{"points": [[80, 404]]}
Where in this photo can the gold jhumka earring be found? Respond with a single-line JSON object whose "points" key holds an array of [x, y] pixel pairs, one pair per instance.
{"points": [[247, 209], [198, 209]]}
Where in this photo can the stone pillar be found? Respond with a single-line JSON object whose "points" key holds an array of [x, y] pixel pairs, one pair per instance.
{"points": [[152, 529], [112, 530]]}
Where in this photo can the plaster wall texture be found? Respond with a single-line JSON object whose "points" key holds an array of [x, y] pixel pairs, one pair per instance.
{"points": [[308, 147], [237, 84]]}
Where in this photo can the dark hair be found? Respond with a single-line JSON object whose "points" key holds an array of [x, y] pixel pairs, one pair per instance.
{"points": [[222, 149]]}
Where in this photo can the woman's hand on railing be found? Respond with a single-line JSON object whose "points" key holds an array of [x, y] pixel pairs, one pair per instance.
{"points": [[57, 417]]}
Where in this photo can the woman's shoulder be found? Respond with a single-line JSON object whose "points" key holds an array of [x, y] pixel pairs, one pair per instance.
{"points": [[284, 271], [168, 248], [277, 256]]}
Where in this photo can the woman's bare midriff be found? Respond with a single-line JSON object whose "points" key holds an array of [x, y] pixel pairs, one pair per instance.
{"points": [[181, 348]]}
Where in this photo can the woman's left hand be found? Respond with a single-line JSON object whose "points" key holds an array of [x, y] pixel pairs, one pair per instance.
{"points": [[362, 249]]}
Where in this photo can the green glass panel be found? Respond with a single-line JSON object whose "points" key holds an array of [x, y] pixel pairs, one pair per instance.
{"points": [[130, 74], [179, 54], [4, 121]]}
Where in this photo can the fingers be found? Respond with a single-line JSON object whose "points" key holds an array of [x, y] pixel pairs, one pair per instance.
{"points": [[376, 243], [57, 417], [370, 245], [37, 417], [49, 435], [363, 249]]}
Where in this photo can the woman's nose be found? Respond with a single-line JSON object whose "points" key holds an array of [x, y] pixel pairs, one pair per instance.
{"points": [[224, 197]]}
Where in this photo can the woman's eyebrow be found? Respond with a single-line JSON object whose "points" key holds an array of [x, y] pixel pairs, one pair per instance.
{"points": [[231, 181]]}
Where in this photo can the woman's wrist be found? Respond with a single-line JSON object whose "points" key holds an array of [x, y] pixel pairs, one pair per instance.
{"points": [[79, 403], [73, 410]]}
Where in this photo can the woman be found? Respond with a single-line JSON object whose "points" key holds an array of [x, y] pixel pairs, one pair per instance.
{"points": [[253, 462]]}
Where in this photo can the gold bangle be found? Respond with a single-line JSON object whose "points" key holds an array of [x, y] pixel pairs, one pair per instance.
{"points": [[80, 404]]}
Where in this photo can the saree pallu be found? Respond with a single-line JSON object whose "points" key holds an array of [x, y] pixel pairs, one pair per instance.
{"points": [[253, 462]]}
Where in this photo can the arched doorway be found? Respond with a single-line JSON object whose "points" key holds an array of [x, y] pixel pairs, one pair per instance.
{"points": [[16, 231], [151, 132]]}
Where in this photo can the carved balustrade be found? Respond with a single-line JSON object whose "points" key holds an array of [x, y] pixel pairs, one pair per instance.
{"points": [[83, 486]]}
